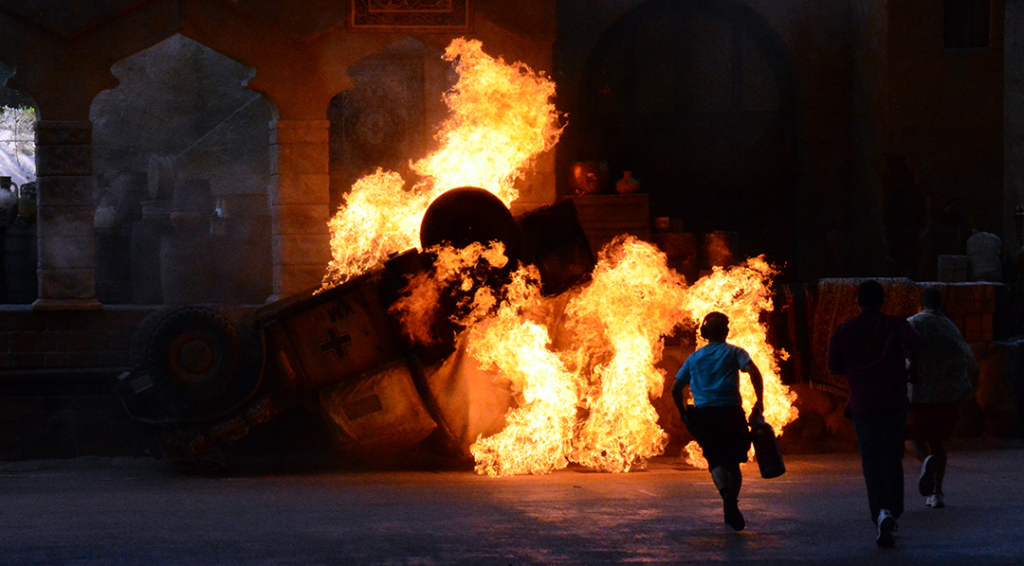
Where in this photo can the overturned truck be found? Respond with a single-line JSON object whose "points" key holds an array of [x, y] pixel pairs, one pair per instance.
{"points": [[201, 383]]}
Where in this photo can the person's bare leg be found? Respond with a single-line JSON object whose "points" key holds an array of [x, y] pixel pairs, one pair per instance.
{"points": [[918, 449], [728, 480], [941, 457]]}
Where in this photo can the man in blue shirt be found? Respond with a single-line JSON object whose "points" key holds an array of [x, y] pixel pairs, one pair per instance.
{"points": [[716, 419]]}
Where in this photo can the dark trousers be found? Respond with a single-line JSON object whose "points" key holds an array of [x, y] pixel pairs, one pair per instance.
{"points": [[880, 440]]}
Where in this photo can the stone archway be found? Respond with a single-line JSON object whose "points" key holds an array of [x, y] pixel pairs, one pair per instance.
{"points": [[698, 99], [182, 165]]}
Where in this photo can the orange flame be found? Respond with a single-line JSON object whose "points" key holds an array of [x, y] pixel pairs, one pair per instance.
{"points": [[743, 293], [632, 301], [417, 306], [583, 366], [537, 436], [501, 119]]}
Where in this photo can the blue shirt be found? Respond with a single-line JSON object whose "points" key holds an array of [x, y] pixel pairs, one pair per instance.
{"points": [[713, 374]]}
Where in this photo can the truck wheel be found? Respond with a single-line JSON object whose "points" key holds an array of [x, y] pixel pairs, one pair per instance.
{"points": [[195, 355], [140, 338]]}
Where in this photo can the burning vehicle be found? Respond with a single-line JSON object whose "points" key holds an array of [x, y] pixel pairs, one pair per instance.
{"points": [[442, 318], [203, 382]]}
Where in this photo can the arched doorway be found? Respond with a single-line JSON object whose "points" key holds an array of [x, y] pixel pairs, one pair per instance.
{"points": [[698, 100], [182, 164]]}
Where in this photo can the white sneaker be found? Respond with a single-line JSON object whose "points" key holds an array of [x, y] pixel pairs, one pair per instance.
{"points": [[926, 484], [886, 526], [935, 501]]}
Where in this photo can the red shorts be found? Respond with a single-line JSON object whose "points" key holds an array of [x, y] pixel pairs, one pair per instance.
{"points": [[932, 422]]}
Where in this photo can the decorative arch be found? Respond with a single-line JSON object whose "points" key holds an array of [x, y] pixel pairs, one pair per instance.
{"points": [[181, 159]]}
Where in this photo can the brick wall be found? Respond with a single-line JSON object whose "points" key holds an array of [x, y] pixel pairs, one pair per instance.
{"points": [[56, 374], [59, 340]]}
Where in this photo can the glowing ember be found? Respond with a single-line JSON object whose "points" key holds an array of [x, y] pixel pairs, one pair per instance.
{"points": [[501, 119]]}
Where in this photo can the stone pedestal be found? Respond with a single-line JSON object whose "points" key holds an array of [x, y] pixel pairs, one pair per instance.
{"points": [[67, 256], [298, 196]]}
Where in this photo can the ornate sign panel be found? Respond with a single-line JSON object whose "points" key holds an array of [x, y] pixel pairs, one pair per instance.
{"points": [[405, 15]]}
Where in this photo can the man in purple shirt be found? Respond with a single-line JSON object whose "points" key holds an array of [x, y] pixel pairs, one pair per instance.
{"points": [[872, 350]]}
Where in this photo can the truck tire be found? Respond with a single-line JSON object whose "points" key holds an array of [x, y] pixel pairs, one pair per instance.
{"points": [[195, 356]]}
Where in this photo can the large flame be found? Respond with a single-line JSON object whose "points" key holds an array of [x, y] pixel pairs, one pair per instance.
{"points": [[743, 293], [538, 434], [632, 301], [584, 365], [501, 118]]}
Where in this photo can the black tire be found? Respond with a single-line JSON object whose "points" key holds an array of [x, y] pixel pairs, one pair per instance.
{"points": [[195, 356], [469, 214], [140, 338]]}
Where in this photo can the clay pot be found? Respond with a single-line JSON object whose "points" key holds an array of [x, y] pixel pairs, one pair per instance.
{"points": [[627, 185], [589, 177]]}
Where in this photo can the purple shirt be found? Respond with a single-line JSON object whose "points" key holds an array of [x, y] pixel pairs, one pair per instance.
{"points": [[871, 350]]}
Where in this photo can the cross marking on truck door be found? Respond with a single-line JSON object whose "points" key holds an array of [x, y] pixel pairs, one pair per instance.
{"points": [[336, 343]]}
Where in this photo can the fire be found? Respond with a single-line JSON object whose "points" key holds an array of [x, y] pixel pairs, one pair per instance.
{"points": [[582, 365], [743, 293], [501, 118], [538, 435], [452, 268], [586, 400], [618, 321]]}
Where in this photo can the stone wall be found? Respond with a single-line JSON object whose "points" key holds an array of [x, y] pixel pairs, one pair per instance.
{"points": [[56, 375]]}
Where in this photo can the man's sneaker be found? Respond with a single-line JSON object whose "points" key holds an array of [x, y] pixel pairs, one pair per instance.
{"points": [[935, 501], [927, 483], [886, 526], [733, 517]]}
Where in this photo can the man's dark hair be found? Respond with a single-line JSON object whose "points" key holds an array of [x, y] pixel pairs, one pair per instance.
{"points": [[870, 295], [715, 327], [931, 298]]}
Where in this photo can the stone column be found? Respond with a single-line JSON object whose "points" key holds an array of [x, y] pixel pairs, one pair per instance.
{"points": [[299, 203], [66, 239]]}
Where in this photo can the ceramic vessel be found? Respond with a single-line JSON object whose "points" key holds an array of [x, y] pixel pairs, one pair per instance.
{"points": [[589, 177], [627, 185]]}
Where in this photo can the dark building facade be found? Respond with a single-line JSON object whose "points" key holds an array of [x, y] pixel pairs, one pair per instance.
{"points": [[192, 151]]}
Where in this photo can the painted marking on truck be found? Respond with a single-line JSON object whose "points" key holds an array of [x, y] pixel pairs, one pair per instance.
{"points": [[336, 343]]}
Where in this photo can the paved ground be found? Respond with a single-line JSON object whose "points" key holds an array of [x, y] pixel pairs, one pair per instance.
{"points": [[125, 512]]}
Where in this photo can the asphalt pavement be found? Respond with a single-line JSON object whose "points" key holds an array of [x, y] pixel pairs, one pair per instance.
{"points": [[97, 511]]}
